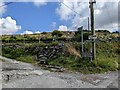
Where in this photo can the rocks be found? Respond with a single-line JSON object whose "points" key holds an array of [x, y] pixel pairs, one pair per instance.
{"points": [[48, 53], [6, 77], [57, 68], [53, 68]]}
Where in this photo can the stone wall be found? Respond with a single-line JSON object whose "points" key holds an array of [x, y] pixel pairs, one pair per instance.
{"points": [[48, 53], [41, 53]]}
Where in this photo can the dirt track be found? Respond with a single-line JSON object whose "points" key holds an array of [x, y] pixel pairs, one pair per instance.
{"points": [[22, 75]]}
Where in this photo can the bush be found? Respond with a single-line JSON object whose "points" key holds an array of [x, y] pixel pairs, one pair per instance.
{"points": [[17, 53], [77, 37], [57, 33], [54, 43], [12, 51]]}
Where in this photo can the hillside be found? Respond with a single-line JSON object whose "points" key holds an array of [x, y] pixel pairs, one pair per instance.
{"points": [[64, 51]]}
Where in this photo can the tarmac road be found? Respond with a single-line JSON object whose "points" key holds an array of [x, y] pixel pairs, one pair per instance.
{"points": [[23, 75]]}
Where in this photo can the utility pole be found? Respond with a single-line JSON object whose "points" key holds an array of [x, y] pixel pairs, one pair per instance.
{"points": [[82, 40], [81, 29], [92, 29], [88, 25]]}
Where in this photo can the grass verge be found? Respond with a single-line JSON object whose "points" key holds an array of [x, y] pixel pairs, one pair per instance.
{"points": [[27, 59], [85, 66]]}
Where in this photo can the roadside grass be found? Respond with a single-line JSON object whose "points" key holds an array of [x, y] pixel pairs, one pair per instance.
{"points": [[85, 66], [107, 57], [1, 60], [110, 64], [27, 59], [106, 60]]}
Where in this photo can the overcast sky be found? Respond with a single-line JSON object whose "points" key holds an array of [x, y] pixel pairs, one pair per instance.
{"points": [[35, 16]]}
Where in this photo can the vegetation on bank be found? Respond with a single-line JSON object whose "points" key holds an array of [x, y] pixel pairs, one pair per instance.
{"points": [[107, 56], [1, 60], [22, 48], [106, 60]]}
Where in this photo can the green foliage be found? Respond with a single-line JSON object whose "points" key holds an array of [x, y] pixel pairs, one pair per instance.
{"points": [[108, 64], [54, 43], [62, 61], [116, 32], [107, 55], [17, 53], [77, 36], [26, 58], [44, 33], [0, 60], [57, 33], [12, 52], [86, 66], [46, 39], [13, 38], [107, 59], [103, 31]]}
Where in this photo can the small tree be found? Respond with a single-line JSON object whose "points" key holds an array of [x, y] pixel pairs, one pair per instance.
{"points": [[13, 38], [57, 33]]}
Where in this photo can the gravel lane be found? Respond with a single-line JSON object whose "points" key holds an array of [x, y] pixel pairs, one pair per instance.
{"points": [[23, 75], [0, 75]]}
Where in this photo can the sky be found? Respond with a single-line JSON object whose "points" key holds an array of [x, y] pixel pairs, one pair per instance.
{"points": [[36, 16]]}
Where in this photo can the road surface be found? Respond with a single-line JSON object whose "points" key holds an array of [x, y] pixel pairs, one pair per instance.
{"points": [[23, 75]]}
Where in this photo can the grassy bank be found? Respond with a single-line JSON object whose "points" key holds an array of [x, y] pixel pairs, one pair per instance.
{"points": [[25, 58], [106, 60], [86, 66]]}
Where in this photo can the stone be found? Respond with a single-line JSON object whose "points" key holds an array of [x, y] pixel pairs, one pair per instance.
{"points": [[49, 52]]}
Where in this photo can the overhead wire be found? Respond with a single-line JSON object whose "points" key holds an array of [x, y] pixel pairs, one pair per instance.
{"points": [[72, 10], [6, 4]]}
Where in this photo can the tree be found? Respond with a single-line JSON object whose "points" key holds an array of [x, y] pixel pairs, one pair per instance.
{"points": [[103, 31], [57, 33], [77, 36], [44, 33], [116, 32], [13, 38]]}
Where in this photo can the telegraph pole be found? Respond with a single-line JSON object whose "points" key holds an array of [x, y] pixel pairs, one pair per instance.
{"points": [[81, 29], [82, 40], [88, 25], [92, 28]]}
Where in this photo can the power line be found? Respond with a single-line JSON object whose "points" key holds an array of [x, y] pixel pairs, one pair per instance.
{"points": [[70, 8], [6, 4], [73, 11]]}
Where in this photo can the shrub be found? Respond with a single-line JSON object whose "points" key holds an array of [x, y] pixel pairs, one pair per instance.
{"points": [[57, 33]]}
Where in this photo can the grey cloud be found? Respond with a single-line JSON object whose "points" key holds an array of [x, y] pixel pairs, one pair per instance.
{"points": [[106, 18]]}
